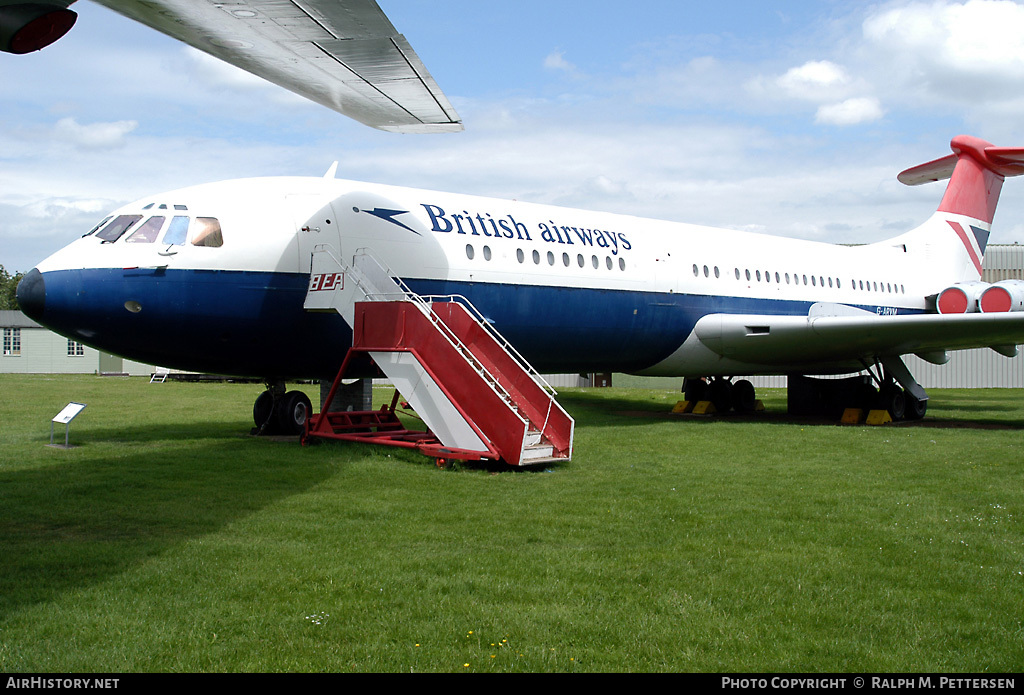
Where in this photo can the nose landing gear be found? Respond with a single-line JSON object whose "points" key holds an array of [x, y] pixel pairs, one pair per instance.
{"points": [[281, 412]]}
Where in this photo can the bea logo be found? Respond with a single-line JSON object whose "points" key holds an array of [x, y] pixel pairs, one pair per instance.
{"points": [[327, 281]]}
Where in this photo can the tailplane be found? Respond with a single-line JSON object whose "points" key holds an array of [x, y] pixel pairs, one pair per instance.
{"points": [[976, 171]]}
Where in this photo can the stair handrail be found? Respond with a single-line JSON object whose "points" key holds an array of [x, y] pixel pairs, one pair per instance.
{"points": [[374, 294], [496, 334]]}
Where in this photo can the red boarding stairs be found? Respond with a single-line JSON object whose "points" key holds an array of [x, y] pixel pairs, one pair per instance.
{"points": [[477, 396]]}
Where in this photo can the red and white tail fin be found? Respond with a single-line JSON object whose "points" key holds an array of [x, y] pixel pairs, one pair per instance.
{"points": [[976, 171]]}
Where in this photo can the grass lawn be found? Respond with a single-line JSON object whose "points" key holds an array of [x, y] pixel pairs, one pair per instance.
{"points": [[169, 540]]}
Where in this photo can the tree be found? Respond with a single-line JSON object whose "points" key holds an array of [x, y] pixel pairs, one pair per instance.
{"points": [[9, 288]]}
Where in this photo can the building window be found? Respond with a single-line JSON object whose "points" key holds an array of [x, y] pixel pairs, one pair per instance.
{"points": [[12, 341], [75, 348]]}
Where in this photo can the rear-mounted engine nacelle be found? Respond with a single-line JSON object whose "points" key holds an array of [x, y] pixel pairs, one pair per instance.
{"points": [[27, 27], [1005, 295], [968, 297], [961, 298]]}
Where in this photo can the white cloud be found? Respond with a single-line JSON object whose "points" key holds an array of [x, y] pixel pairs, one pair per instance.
{"points": [[814, 80], [556, 61], [94, 136], [850, 112], [956, 51]]}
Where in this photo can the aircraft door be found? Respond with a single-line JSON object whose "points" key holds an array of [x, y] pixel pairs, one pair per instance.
{"points": [[316, 225]]}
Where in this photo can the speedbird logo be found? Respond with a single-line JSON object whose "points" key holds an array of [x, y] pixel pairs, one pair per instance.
{"points": [[389, 216]]}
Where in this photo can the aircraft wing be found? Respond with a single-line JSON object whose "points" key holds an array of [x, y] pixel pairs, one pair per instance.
{"points": [[343, 54], [823, 339]]}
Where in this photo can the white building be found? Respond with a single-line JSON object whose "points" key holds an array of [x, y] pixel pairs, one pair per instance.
{"points": [[28, 348]]}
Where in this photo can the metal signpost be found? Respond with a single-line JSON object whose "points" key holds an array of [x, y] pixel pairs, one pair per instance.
{"points": [[69, 413]]}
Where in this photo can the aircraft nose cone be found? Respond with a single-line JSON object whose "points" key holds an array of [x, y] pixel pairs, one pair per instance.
{"points": [[32, 295]]}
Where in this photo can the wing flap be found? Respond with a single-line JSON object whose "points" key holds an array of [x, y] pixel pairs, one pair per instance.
{"points": [[343, 54]]}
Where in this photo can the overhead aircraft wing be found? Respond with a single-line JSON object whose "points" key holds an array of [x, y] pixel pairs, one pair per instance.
{"points": [[830, 339], [344, 54]]}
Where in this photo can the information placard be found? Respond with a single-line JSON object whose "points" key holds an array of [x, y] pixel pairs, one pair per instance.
{"points": [[71, 410]]}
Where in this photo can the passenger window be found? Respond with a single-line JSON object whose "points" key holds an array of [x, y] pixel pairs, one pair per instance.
{"points": [[148, 232], [121, 224], [470, 252], [536, 257], [207, 232], [177, 231]]}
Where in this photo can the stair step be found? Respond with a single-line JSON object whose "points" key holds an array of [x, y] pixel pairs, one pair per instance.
{"points": [[537, 452]]}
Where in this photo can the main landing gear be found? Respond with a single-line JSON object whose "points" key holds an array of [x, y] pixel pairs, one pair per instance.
{"points": [[898, 392], [722, 392], [279, 411]]}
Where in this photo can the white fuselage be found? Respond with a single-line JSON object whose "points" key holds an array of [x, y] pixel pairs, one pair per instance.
{"points": [[574, 290]]}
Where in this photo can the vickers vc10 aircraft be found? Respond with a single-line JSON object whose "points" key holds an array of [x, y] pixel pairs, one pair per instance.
{"points": [[214, 278]]}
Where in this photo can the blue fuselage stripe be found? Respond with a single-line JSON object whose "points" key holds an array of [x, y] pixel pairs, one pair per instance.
{"points": [[253, 323]]}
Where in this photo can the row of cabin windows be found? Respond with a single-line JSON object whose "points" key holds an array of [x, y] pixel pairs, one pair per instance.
{"points": [[12, 344], [581, 260], [203, 231], [814, 280]]}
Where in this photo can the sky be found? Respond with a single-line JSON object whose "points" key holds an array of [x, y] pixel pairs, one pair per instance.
{"points": [[787, 118]]}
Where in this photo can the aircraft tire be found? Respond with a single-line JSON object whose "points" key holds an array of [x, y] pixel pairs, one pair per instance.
{"points": [[720, 393], [292, 412], [915, 408], [263, 410], [893, 400], [744, 397], [695, 390]]}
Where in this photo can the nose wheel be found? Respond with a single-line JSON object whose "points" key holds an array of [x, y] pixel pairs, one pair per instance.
{"points": [[280, 412]]}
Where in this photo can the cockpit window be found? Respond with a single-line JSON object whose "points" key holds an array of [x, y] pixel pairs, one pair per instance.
{"points": [[115, 229], [93, 230], [206, 232], [147, 233], [177, 231]]}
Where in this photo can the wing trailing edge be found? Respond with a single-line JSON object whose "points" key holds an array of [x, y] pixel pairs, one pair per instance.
{"points": [[343, 54]]}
